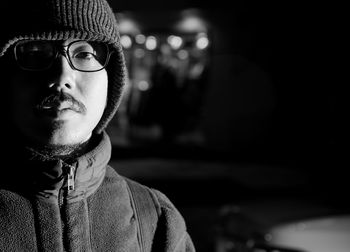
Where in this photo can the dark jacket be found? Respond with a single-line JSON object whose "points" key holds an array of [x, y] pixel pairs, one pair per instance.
{"points": [[39, 213]]}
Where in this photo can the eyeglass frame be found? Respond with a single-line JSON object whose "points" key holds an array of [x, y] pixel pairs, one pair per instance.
{"points": [[64, 53]]}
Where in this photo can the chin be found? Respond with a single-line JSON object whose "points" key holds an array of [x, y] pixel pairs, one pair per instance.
{"points": [[60, 133], [67, 138], [60, 137]]}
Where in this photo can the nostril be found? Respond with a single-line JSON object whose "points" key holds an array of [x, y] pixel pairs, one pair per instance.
{"points": [[67, 85], [59, 85]]}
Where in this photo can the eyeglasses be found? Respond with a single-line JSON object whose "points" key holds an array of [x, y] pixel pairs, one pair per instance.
{"points": [[84, 56]]}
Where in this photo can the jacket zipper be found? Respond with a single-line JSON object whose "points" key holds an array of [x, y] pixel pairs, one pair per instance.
{"points": [[62, 194], [69, 177]]}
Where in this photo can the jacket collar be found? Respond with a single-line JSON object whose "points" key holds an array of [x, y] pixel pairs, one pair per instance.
{"points": [[48, 178], [89, 170]]}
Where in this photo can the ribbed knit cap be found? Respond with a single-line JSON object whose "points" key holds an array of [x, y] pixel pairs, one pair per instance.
{"points": [[68, 19]]}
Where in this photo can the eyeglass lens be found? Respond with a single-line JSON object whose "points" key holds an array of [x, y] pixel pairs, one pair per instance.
{"points": [[86, 56]]}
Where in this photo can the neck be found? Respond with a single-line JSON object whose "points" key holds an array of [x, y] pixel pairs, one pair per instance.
{"points": [[29, 149], [56, 152], [63, 152]]}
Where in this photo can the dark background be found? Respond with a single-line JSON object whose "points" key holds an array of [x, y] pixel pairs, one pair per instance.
{"points": [[270, 117]]}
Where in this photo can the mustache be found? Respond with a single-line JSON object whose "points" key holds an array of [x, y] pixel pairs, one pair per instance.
{"points": [[54, 100]]}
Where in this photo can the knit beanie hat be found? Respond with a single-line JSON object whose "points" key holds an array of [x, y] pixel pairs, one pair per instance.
{"points": [[68, 19]]}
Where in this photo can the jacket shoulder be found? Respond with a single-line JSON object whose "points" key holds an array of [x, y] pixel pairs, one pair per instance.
{"points": [[162, 203], [172, 231]]}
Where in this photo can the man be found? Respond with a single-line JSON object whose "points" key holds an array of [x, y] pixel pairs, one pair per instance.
{"points": [[63, 74]]}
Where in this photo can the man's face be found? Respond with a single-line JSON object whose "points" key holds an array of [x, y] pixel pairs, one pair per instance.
{"points": [[58, 106]]}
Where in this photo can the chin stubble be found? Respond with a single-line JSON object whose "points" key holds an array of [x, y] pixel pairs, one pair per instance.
{"points": [[55, 152]]}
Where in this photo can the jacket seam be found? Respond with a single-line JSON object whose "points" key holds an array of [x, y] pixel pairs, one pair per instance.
{"points": [[135, 213], [181, 240], [88, 222]]}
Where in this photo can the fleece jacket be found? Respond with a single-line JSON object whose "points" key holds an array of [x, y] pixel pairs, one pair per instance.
{"points": [[84, 205]]}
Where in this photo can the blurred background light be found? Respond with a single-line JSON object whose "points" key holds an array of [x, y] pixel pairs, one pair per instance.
{"points": [[126, 41], [182, 54], [175, 41], [151, 43], [140, 39], [202, 41], [143, 85], [139, 53], [191, 22], [127, 25]]}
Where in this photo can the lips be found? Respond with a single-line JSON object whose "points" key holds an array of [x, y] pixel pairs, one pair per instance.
{"points": [[58, 103], [56, 108]]}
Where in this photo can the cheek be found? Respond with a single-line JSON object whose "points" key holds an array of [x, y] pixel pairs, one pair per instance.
{"points": [[98, 95], [22, 96]]}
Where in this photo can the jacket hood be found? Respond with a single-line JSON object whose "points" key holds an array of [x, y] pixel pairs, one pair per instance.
{"points": [[68, 19]]}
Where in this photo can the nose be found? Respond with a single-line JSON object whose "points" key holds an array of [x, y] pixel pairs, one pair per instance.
{"points": [[63, 74]]}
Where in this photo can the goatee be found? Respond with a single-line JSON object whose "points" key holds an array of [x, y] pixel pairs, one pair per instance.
{"points": [[58, 152]]}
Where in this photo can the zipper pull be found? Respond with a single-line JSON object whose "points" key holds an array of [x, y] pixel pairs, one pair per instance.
{"points": [[70, 178]]}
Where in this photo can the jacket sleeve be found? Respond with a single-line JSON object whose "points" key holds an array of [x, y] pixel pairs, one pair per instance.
{"points": [[171, 234]]}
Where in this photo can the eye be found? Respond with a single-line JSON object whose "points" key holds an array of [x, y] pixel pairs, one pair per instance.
{"points": [[35, 48], [82, 51], [88, 55], [84, 55]]}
